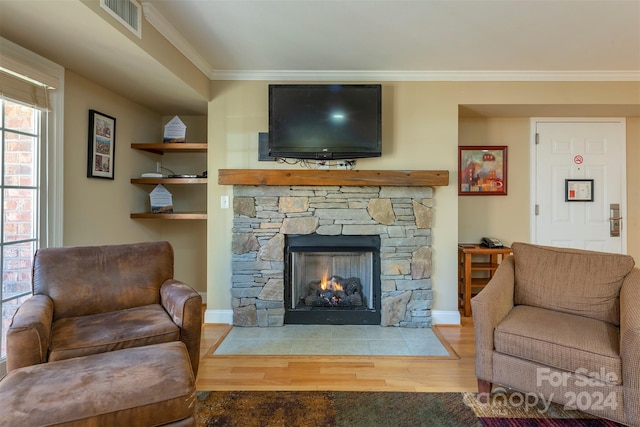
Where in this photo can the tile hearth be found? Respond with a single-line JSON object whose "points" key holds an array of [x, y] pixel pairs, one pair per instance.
{"points": [[335, 340]]}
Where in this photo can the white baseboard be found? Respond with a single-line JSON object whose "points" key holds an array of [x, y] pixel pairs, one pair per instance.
{"points": [[218, 316], [440, 317]]}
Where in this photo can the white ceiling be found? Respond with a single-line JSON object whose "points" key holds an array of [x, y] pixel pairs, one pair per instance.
{"points": [[410, 35], [337, 40]]}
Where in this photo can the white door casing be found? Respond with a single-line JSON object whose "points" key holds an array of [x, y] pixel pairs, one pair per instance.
{"points": [[578, 149]]}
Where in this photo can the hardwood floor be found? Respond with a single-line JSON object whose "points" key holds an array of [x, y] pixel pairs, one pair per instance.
{"points": [[347, 373]]}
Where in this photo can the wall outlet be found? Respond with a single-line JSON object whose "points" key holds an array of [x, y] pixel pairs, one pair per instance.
{"points": [[322, 164]]}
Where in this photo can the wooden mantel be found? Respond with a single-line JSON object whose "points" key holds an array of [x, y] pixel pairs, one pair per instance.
{"points": [[390, 178]]}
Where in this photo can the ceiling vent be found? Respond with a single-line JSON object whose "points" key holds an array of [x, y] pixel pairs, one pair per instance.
{"points": [[127, 12]]}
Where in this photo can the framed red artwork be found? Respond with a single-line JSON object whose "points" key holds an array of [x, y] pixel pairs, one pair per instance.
{"points": [[482, 170]]}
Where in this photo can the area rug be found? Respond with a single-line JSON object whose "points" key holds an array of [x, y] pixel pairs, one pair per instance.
{"points": [[379, 409], [339, 340]]}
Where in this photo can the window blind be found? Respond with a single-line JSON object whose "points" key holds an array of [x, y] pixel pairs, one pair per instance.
{"points": [[22, 83]]}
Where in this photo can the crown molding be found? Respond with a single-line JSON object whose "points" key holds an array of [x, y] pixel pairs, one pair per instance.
{"points": [[160, 23], [453, 75], [164, 27]]}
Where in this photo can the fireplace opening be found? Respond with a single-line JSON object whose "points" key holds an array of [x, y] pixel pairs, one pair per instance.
{"points": [[332, 280]]}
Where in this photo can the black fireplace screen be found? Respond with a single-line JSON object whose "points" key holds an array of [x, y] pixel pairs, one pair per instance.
{"points": [[332, 279]]}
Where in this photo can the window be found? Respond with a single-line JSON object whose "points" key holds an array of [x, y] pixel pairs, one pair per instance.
{"points": [[31, 175], [19, 208]]}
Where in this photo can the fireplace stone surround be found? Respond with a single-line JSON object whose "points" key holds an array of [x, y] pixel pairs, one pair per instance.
{"points": [[264, 214]]}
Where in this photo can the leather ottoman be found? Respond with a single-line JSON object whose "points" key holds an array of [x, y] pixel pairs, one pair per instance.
{"points": [[142, 386]]}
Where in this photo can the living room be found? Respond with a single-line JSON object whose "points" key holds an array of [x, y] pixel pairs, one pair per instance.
{"points": [[424, 122]]}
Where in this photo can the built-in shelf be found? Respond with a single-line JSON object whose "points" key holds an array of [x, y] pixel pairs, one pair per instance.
{"points": [[393, 178], [177, 215], [182, 147], [186, 147]]}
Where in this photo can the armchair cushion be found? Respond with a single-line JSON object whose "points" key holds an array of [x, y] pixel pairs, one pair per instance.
{"points": [[585, 346], [574, 281], [116, 330]]}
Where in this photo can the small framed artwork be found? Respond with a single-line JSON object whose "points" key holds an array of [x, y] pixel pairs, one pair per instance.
{"points": [[578, 190], [482, 170], [102, 145]]}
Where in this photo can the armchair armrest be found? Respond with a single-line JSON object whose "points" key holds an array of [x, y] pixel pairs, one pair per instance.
{"points": [[488, 308], [630, 343], [184, 305], [29, 333]]}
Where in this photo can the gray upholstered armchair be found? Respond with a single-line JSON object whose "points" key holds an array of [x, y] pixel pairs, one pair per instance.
{"points": [[94, 299], [564, 324]]}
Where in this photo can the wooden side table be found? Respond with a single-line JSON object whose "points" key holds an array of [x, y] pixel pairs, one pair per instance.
{"points": [[486, 259]]}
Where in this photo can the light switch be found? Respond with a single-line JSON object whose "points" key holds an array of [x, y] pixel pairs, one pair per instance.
{"points": [[224, 202]]}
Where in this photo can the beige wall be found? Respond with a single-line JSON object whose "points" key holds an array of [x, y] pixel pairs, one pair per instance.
{"points": [[421, 129], [504, 217], [96, 211]]}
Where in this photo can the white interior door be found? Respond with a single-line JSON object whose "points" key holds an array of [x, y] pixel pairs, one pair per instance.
{"points": [[580, 150]]}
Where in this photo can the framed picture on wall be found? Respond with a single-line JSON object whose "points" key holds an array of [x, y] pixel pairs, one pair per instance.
{"points": [[578, 190], [102, 145], [482, 170]]}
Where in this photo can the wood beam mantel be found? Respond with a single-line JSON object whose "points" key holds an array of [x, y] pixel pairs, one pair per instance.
{"points": [[391, 178]]}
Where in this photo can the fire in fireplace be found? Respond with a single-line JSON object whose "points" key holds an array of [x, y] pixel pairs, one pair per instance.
{"points": [[332, 279], [334, 292]]}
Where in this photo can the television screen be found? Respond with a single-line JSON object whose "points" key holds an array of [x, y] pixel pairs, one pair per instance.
{"points": [[325, 121]]}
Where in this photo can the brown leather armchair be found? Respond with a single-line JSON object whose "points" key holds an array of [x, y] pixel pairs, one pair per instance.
{"points": [[94, 299], [563, 324]]}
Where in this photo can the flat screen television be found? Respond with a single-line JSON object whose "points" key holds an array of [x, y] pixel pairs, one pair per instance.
{"points": [[325, 121]]}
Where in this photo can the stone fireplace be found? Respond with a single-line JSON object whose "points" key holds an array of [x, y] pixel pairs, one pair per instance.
{"points": [[265, 216]]}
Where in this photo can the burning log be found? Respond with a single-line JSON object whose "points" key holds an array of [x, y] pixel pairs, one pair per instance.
{"points": [[335, 292]]}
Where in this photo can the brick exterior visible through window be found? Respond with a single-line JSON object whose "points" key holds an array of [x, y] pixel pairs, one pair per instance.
{"points": [[19, 177]]}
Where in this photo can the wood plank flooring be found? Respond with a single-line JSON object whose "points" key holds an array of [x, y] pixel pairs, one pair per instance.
{"points": [[346, 373]]}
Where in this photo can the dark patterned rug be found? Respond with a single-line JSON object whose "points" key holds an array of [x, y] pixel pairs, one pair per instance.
{"points": [[378, 409]]}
